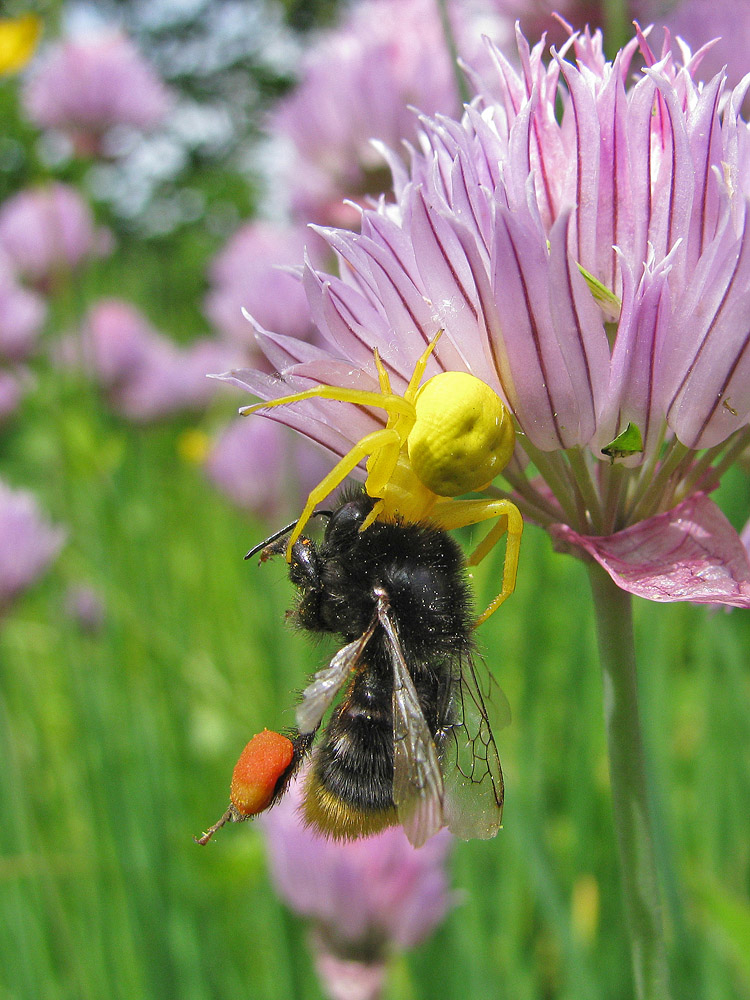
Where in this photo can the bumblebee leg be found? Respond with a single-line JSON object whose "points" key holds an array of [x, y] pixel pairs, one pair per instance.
{"points": [[370, 443], [459, 513]]}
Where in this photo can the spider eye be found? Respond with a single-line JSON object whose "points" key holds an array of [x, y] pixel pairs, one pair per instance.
{"points": [[463, 435]]}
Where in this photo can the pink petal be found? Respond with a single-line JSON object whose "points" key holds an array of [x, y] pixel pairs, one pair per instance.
{"points": [[635, 373], [745, 537], [690, 553], [529, 356]]}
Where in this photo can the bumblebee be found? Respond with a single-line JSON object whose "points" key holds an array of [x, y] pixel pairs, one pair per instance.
{"points": [[410, 740]]}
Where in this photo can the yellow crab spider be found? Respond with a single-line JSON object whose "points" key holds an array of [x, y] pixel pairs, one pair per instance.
{"points": [[449, 436]]}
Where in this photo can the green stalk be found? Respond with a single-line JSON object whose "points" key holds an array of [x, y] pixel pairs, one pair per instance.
{"points": [[552, 468], [615, 479], [582, 475], [616, 25], [614, 621], [462, 85], [648, 500]]}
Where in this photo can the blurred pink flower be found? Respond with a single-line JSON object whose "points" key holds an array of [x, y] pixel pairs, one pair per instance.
{"points": [[264, 467], [365, 898], [585, 247], [49, 231], [359, 82], [249, 273], [85, 86], [22, 314], [145, 375], [28, 543], [114, 342], [701, 21], [696, 21], [170, 379], [539, 16]]}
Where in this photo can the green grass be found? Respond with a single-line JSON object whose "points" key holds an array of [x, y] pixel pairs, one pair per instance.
{"points": [[117, 747]]}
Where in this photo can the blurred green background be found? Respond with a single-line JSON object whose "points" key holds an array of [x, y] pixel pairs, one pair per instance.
{"points": [[117, 748], [117, 745]]}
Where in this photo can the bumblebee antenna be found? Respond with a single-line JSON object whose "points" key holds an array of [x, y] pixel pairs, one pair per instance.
{"points": [[283, 531]]}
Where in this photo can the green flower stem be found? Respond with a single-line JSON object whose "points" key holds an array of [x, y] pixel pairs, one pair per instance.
{"points": [[616, 25], [614, 620], [462, 85], [582, 474], [648, 501]]}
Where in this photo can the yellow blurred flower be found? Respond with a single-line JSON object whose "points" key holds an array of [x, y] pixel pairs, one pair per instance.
{"points": [[192, 446], [18, 41]]}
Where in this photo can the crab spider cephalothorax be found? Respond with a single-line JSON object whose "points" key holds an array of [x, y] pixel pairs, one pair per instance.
{"points": [[449, 436]]}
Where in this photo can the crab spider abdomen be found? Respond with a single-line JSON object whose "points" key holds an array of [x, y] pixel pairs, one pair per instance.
{"points": [[463, 434]]}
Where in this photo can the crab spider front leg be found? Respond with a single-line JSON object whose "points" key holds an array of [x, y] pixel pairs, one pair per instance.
{"points": [[369, 444], [385, 399], [361, 397], [382, 465], [460, 513], [381, 447]]}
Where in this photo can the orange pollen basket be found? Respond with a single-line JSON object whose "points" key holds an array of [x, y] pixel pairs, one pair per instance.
{"points": [[257, 772]]}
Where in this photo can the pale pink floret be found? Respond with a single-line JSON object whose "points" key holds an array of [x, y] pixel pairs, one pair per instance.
{"points": [[28, 543], [263, 467], [22, 313], [346, 978], [641, 183], [251, 275], [361, 82], [365, 897], [145, 375], [86, 85], [48, 231]]}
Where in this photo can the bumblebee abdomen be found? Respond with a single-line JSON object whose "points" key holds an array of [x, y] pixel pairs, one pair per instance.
{"points": [[349, 788]]}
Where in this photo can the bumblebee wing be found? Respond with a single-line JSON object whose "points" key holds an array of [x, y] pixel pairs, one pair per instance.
{"points": [[472, 776], [417, 781], [320, 692]]}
